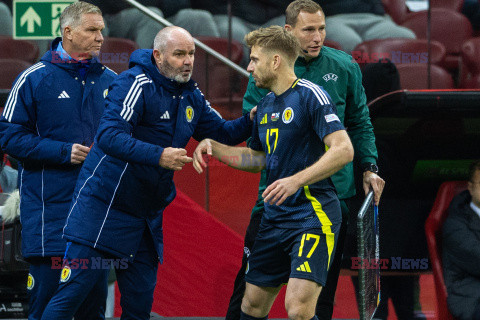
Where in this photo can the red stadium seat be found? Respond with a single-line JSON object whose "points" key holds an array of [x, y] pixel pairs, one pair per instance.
{"points": [[433, 232], [216, 80], [470, 75], [455, 5], [414, 76], [332, 44], [399, 51], [115, 53], [18, 49], [10, 69], [448, 27], [397, 9]]}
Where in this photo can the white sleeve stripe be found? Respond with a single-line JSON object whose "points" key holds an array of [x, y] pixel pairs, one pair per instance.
{"points": [[320, 90], [317, 89], [12, 99], [129, 114], [14, 92], [319, 98], [132, 96], [138, 79]]}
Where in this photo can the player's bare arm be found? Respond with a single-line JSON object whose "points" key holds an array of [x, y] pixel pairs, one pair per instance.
{"points": [[339, 153], [241, 158]]}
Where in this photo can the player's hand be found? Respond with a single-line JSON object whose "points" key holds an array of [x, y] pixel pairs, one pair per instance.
{"points": [[174, 158], [373, 181], [252, 113], [277, 192], [204, 147], [79, 153]]}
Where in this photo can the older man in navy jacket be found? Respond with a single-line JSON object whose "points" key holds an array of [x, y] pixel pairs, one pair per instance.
{"points": [[49, 122], [126, 182]]}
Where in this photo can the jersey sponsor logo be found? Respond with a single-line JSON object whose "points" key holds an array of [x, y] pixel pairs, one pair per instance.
{"points": [[330, 76], [304, 267], [30, 282], [105, 93], [275, 116], [264, 119], [331, 117], [66, 273], [63, 95], [287, 115], [189, 113], [166, 116]]}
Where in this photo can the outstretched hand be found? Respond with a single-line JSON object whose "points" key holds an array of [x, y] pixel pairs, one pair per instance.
{"points": [[373, 181], [174, 158], [204, 147]]}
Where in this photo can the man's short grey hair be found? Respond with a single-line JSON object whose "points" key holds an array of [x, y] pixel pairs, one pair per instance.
{"points": [[72, 15], [162, 37]]}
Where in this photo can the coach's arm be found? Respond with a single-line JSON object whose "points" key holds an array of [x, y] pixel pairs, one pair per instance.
{"points": [[241, 158]]}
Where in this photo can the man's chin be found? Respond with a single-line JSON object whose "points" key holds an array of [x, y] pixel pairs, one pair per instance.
{"points": [[182, 79]]}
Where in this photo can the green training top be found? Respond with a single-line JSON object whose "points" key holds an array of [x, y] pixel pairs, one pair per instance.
{"points": [[340, 76]]}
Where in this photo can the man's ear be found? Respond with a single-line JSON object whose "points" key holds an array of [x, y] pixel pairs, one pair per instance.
{"points": [[288, 27], [157, 55], [67, 33], [277, 59]]}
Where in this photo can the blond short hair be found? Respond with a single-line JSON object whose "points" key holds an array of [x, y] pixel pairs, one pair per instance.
{"points": [[294, 8], [72, 15], [275, 39]]}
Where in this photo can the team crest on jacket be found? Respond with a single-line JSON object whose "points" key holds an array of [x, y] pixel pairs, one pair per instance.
{"points": [[30, 282], [66, 273], [330, 76], [287, 115], [189, 113]]}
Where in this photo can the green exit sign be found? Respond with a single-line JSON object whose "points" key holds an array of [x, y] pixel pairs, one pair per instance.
{"points": [[37, 19]]}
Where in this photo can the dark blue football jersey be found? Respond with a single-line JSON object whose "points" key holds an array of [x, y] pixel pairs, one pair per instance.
{"points": [[290, 129]]}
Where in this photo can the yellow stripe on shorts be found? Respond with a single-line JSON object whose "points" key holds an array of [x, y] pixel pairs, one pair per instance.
{"points": [[326, 223]]}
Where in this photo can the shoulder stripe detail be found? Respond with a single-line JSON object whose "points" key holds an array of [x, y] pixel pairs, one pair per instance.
{"points": [[322, 91], [132, 96], [12, 99], [322, 98], [110, 205]]}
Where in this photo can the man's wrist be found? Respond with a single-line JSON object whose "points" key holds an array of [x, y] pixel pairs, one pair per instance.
{"points": [[371, 167]]}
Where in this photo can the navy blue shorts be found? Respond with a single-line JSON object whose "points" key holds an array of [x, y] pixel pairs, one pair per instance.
{"points": [[279, 254]]}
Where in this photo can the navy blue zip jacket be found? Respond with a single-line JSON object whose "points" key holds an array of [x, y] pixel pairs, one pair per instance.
{"points": [[121, 189], [52, 105]]}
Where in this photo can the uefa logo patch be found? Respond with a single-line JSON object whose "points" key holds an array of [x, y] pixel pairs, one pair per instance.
{"points": [[30, 282], [287, 115], [66, 273], [189, 114]]}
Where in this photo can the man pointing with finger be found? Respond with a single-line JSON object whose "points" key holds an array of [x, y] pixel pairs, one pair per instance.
{"points": [[152, 111]]}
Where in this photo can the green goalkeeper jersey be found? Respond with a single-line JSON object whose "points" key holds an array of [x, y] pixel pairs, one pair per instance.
{"points": [[340, 76]]}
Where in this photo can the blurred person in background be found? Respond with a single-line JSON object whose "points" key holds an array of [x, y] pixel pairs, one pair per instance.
{"points": [[461, 250]]}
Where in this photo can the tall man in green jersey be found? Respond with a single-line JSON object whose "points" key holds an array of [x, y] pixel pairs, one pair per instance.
{"points": [[340, 76]]}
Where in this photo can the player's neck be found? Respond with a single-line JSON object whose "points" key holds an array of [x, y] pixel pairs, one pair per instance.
{"points": [[283, 83]]}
